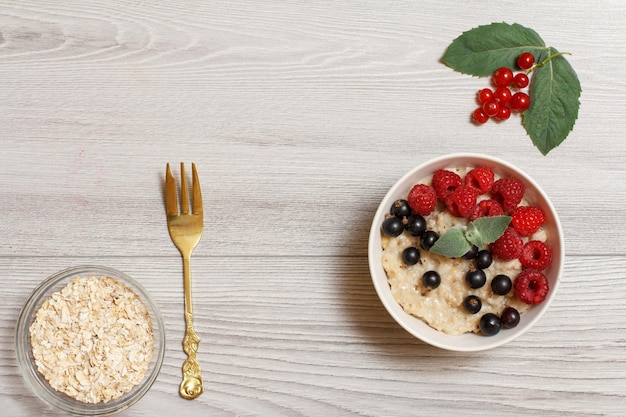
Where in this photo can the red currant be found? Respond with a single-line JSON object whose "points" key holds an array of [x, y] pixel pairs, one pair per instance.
{"points": [[479, 116], [502, 77], [491, 108], [525, 60], [521, 80], [502, 95], [485, 95], [520, 101], [504, 113]]}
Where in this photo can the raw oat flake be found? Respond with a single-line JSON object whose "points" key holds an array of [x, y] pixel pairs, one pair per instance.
{"points": [[93, 340]]}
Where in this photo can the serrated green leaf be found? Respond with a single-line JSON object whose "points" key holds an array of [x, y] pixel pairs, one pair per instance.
{"points": [[555, 92], [451, 244], [485, 230], [482, 50]]}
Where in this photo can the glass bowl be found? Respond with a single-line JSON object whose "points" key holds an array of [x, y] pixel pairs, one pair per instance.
{"points": [[26, 359], [468, 341]]}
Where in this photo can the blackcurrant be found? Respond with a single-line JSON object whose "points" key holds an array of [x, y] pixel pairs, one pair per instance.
{"points": [[401, 208], [472, 304], [510, 318], [475, 278], [428, 239], [483, 259], [471, 254], [415, 225], [501, 284], [431, 279], [393, 226], [489, 324], [411, 255]]}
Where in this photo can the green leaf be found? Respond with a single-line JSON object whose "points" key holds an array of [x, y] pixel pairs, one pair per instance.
{"points": [[485, 230], [482, 50], [451, 244], [554, 91]]}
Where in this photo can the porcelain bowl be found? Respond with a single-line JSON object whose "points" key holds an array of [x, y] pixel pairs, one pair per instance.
{"points": [[469, 341]]}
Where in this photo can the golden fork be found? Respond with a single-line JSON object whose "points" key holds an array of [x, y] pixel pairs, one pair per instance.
{"points": [[185, 229]]}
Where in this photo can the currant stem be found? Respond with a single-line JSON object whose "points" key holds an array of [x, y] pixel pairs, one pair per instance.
{"points": [[545, 61]]}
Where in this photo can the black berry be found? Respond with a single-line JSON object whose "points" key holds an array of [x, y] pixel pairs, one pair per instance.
{"points": [[475, 278], [483, 259], [489, 324], [393, 226], [431, 279], [471, 254], [415, 225], [501, 284], [411, 255], [428, 239], [400, 209], [472, 304], [510, 318]]}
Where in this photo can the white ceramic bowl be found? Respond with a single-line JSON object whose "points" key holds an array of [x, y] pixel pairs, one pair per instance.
{"points": [[417, 327], [26, 360]]}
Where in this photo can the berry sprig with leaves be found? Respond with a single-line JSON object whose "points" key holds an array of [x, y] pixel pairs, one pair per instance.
{"points": [[554, 86]]}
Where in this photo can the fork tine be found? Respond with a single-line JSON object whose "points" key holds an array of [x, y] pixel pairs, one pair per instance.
{"points": [[197, 195], [184, 197], [171, 204]]}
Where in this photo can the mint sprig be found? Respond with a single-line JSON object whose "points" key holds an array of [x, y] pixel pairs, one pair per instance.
{"points": [[554, 87], [457, 241]]}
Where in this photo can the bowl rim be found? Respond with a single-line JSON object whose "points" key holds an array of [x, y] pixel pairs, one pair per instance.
{"points": [[467, 342], [23, 349]]}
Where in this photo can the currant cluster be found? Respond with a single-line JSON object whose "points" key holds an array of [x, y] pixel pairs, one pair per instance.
{"points": [[500, 101]]}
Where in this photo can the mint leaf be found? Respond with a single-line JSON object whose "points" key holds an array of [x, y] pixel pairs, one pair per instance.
{"points": [[482, 50], [451, 244], [554, 91], [485, 230]]}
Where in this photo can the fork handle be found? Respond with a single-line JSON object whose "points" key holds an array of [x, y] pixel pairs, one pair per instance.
{"points": [[192, 385]]}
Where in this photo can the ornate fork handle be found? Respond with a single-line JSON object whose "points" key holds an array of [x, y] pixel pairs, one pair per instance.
{"points": [[192, 385]]}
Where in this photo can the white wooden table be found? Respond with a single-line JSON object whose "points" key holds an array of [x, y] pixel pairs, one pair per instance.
{"points": [[300, 116]]}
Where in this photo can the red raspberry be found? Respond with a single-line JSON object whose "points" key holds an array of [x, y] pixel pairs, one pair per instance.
{"points": [[481, 179], [527, 219], [531, 286], [536, 255], [508, 246], [508, 192], [462, 201], [486, 208], [422, 199], [444, 182]]}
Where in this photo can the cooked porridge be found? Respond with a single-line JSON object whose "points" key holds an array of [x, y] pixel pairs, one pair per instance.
{"points": [[442, 307], [93, 340]]}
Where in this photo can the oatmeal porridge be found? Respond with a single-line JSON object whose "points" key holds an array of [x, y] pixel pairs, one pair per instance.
{"points": [[442, 306]]}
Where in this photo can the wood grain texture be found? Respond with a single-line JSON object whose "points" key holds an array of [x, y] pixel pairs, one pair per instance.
{"points": [[299, 117]]}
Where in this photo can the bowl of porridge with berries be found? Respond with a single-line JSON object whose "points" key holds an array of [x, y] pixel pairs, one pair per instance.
{"points": [[466, 252]]}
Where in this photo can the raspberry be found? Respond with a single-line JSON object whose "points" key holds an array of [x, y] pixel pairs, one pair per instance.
{"points": [[486, 208], [444, 182], [536, 255], [462, 201], [508, 192], [481, 179], [531, 286], [508, 246], [527, 219], [422, 199]]}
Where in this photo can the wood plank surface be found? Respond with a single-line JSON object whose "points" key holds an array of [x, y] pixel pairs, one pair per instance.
{"points": [[300, 116]]}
